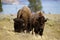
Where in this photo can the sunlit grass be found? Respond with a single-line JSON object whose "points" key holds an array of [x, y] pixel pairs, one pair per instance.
{"points": [[51, 30]]}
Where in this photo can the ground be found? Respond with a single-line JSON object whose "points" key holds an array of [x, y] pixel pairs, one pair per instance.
{"points": [[51, 30]]}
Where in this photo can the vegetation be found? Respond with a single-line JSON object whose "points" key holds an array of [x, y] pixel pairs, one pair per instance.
{"points": [[35, 5], [51, 29], [1, 6]]}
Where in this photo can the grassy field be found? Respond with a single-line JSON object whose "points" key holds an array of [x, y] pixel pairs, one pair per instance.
{"points": [[51, 30]]}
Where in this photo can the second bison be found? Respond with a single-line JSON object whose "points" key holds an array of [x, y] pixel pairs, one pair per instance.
{"points": [[39, 23]]}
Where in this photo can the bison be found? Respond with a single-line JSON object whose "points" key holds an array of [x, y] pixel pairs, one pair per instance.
{"points": [[26, 16], [38, 23]]}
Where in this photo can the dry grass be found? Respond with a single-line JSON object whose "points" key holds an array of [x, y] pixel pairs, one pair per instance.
{"points": [[51, 30]]}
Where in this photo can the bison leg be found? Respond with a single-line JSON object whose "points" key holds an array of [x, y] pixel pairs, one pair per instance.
{"points": [[41, 32], [28, 30], [28, 27], [36, 31]]}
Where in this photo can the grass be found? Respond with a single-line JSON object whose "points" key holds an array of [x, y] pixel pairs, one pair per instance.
{"points": [[51, 30]]}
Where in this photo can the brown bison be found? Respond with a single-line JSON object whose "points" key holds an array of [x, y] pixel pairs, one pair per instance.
{"points": [[39, 22], [26, 16]]}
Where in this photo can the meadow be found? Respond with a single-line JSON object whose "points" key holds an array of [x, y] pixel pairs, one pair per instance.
{"points": [[51, 29]]}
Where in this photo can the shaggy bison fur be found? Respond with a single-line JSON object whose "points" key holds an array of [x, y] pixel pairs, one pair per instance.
{"points": [[27, 21], [39, 23], [26, 16]]}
